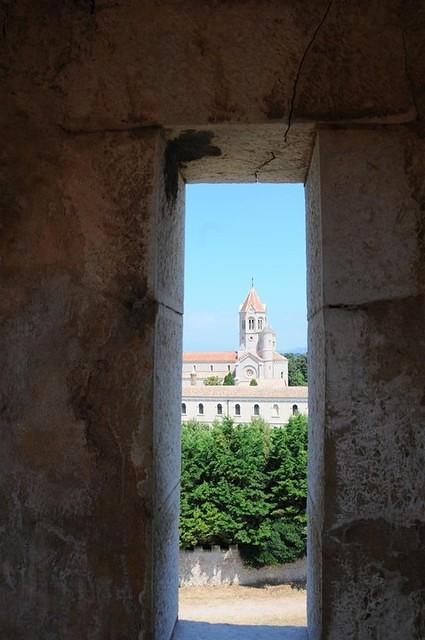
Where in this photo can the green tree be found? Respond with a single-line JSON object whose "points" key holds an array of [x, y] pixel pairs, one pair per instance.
{"points": [[229, 379], [253, 383], [196, 519], [223, 480], [213, 381], [245, 484], [297, 369]]}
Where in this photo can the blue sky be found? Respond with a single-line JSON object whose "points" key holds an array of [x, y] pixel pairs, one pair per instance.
{"points": [[235, 232]]}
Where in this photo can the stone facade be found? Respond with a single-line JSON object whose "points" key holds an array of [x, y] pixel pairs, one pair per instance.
{"points": [[197, 366], [243, 403], [256, 358]]}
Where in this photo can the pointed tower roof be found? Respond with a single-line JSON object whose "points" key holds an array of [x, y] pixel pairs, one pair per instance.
{"points": [[252, 300]]}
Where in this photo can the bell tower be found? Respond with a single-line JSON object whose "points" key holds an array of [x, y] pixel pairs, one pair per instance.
{"points": [[252, 320]]}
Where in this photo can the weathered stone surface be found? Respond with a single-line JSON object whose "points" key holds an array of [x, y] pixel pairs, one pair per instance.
{"points": [[166, 468], [116, 66], [82, 305], [95, 65], [316, 471], [216, 567], [367, 354], [242, 153], [91, 272]]}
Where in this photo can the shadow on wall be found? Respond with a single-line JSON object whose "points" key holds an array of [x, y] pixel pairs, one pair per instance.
{"points": [[187, 630]]}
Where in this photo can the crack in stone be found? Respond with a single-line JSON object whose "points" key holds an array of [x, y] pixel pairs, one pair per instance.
{"points": [[264, 164], [167, 306], [300, 66]]}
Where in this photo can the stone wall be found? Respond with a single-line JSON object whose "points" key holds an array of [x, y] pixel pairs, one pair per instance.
{"points": [[219, 566], [106, 106], [366, 307]]}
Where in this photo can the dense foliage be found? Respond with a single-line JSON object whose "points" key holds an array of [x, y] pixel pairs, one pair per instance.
{"points": [[213, 381], [245, 484], [297, 369]]}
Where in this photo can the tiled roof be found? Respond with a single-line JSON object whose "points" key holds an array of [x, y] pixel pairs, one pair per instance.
{"points": [[240, 391], [279, 356], [252, 300], [210, 356]]}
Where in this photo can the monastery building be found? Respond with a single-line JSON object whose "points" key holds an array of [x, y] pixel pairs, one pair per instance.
{"points": [[256, 361]]}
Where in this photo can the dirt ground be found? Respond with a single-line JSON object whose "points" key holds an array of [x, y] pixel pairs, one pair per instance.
{"points": [[281, 605]]}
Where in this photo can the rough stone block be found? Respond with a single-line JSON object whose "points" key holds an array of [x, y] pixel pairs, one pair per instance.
{"points": [[366, 403], [79, 382]]}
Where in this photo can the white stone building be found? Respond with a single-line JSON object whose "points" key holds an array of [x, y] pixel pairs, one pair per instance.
{"points": [[243, 403], [256, 359]]}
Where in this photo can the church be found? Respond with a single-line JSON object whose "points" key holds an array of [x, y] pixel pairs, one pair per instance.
{"points": [[259, 371], [256, 359]]}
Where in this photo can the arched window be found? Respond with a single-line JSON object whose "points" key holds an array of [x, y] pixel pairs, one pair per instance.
{"points": [[294, 409], [211, 367], [194, 367], [237, 409], [219, 409], [251, 324], [275, 411], [281, 374], [228, 367], [260, 323], [184, 408], [256, 409], [201, 409]]}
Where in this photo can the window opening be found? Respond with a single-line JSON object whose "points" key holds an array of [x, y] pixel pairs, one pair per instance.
{"points": [[207, 336]]}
